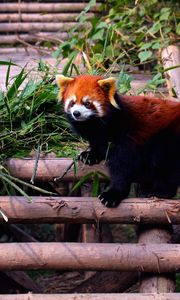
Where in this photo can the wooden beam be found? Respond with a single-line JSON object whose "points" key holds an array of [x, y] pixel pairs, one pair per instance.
{"points": [[36, 27], [124, 296], [155, 282], [40, 17], [88, 256], [45, 7], [49, 168], [88, 210]]}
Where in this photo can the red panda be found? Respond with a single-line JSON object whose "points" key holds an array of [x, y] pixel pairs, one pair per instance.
{"points": [[144, 134]]}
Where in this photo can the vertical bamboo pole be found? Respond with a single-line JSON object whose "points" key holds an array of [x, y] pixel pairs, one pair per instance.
{"points": [[154, 282]]}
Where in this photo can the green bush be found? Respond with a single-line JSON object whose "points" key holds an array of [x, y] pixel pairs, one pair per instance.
{"points": [[125, 33]]}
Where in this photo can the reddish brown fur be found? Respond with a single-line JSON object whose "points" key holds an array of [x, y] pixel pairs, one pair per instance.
{"points": [[148, 115], [151, 115]]}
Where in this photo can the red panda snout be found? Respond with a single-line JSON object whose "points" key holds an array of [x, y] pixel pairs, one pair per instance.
{"points": [[80, 113]]}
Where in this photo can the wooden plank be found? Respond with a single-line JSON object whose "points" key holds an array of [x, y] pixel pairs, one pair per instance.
{"points": [[36, 27], [88, 210], [124, 296], [45, 7], [40, 17], [88, 256]]}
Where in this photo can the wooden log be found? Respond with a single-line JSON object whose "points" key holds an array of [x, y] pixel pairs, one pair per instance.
{"points": [[148, 296], [88, 210], [154, 282], [171, 58], [36, 27], [45, 7], [94, 233], [32, 38], [40, 17], [49, 169], [87, 256]]}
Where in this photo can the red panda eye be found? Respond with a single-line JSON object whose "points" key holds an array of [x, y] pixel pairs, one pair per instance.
{"points": [[71, 104], [87, 104]]}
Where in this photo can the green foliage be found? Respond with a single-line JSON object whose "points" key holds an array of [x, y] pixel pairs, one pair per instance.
{"points": [[30, 115], [124, 82], [127, 33], [93, 177], [30, 118]]}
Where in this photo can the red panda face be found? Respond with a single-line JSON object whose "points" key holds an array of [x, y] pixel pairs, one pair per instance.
{"points": [[86, 96]]}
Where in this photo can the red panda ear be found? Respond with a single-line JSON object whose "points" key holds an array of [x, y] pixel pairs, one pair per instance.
{"points": [[109, 85], [63, 82]]}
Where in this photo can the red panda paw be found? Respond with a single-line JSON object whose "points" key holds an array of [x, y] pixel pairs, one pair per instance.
{"points": [[90, 157]]}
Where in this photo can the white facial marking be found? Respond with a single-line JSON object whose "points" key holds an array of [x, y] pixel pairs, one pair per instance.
{"points": [[99, 108], [96, 104], [85, 113], [86, 98], [67, 102]]}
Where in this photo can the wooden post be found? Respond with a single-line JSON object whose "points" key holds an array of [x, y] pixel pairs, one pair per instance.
{"points": [[155, 282], [171, 58]]}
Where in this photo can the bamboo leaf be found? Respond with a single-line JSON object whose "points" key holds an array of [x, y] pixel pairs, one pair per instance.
{"points": [[13, 90], [84, 179], [144, 55], [7, 63], [95, 185]]}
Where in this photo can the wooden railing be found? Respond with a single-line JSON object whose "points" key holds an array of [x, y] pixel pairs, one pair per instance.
{"points": [[154, 257]]}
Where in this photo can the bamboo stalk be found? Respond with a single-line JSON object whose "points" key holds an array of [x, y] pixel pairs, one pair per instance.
{"points": [[36, 27], [40, 17], [45, 7], [124, 296], [88, 210], [88, 256]]}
